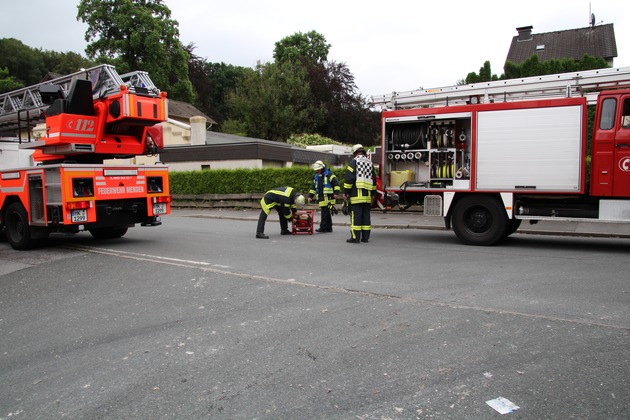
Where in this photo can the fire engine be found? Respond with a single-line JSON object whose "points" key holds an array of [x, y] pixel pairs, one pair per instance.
{"points": [[487, 156], [59, 181]]}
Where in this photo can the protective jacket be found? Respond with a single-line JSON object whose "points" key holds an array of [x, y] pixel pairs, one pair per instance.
{"points": [[360, 180], [283, 198], [324, 187]]}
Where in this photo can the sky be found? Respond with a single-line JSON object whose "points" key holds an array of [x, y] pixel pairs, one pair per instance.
{"points": [[388, 46]]}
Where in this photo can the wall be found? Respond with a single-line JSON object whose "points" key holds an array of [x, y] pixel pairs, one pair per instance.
{"points": [[225, 164]]}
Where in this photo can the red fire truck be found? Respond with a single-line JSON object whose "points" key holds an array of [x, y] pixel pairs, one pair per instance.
{"points": [[58, 182], [487, 156]]}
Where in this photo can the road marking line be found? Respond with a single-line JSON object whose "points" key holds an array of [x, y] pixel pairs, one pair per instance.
{"points": [[404, 299]]}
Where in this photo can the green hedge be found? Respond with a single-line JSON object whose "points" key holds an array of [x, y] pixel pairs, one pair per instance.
{"points": [[243, 181]]}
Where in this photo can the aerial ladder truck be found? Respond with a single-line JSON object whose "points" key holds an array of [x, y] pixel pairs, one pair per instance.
{"points": [[487, 156], [58, 181]]}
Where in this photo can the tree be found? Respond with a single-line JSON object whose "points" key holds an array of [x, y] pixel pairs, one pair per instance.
{"points": [[224, 79], [532, 66], [7, 82], [485, 75], [64, 63], [311, 46], [138, 35], [23, 63], [274, 101], [27, 66], [347, 117]]}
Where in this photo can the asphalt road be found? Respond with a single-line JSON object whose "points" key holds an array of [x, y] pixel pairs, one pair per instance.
{"points": [[197, 319]]}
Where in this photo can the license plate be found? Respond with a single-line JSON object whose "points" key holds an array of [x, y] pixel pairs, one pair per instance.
{"points": [[79, 216], [159, 208]]}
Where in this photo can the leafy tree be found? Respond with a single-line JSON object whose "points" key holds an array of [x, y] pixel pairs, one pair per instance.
{"points": [[345, 114], [198, 78], [212, 82], [274, 101], [28, 66], [485, 75], [311, 46], [7, 82], [304, 140], [224, 79], [24, 63], [347, 117], [138, 35], [64, 63], [534, 67]]}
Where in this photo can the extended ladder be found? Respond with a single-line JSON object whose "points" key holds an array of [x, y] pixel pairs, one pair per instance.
{"points": [[27, 105], [581, 83]]}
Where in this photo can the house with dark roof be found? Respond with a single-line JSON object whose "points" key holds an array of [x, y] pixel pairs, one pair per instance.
{"points": [[229, 151], [182, 112], [595, 40]]}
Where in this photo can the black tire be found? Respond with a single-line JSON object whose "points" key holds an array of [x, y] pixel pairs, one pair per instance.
{"points": [[512, 226], [479, 220], [108, 233], [18, 231]]}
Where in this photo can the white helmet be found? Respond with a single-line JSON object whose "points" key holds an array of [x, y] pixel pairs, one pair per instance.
{"points": [[299, 200], [318, 165], [356, 148]]}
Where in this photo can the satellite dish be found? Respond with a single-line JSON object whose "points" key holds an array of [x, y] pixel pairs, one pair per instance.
{"points": [[592, 20]]}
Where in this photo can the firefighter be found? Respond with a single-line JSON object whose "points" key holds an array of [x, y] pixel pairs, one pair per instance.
{"points": [[285, 200], [325, 189], [359, 189]]}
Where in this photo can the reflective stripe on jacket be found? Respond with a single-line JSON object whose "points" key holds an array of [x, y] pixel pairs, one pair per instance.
{"points": [[360, 180], [330, 187], [282, 197]]}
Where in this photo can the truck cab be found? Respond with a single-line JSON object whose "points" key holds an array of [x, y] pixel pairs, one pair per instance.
{"points": [[610, 170]]}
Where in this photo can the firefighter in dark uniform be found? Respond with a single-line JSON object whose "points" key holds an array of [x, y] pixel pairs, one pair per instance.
{"points": [[359, 188], [285, 200], [325, 189]]}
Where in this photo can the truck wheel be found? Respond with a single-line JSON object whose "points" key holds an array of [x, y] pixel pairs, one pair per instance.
{"points": [[512, 226], [108, 233], [479, 220], [18, 232]]}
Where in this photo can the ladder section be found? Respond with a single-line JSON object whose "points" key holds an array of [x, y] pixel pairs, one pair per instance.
{"points": [[582, 83], [25, 107]]}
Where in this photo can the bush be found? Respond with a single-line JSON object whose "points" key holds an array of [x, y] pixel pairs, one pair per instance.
{"points": [[244, 181]]}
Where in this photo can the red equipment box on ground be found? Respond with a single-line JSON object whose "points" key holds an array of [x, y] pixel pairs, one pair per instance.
{"points": [[303, 223]]}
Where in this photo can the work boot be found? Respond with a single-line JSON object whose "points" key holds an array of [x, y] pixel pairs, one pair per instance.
{"points": [[320, 230], [260, 235], [353, 240], [285, 232]]}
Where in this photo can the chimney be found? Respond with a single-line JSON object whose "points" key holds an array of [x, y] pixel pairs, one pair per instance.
{"points": [[524, 33], [197, 131]]}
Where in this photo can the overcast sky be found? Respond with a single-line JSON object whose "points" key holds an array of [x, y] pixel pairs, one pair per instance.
{"points": [[387, 45]]}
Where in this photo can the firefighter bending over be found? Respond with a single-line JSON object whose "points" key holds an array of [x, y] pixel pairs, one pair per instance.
{"points": [[325, 189], [359, 187], [284, 200]]}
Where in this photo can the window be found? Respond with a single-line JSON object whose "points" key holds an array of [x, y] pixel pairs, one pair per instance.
{"points": [[625, 119], [607, 117]]}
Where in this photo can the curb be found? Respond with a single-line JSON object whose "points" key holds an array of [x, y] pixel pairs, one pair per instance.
{"points": [[439, 228]]}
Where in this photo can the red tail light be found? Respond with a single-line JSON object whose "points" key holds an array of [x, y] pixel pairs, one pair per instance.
{"points": [[77, 205], [163, 199]]}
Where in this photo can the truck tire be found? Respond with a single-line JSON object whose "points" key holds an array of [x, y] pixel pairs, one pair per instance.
{"points": [[108, 233], [512, 226], [479, 220], [18, 231]]}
